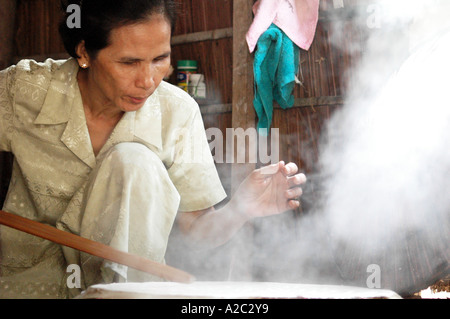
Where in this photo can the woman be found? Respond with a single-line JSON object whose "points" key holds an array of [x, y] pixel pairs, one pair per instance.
{"points": [[101, 148]]}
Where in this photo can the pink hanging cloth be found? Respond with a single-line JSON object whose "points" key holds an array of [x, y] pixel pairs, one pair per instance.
{"points": [[297, 18]]}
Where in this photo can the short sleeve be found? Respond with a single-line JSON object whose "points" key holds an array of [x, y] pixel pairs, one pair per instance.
{"points": [[6, 107], [193, 172]]}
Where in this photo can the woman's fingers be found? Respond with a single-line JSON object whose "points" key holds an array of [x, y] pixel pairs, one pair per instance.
{"points": [[290, 169], [268, 170], [287, 169], [293, 193], [293, 204], [296, 180]]}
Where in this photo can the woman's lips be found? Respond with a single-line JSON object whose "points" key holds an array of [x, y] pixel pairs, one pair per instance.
{"points": [[137, 100]]}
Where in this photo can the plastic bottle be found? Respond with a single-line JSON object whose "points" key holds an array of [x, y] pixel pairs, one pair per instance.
{"points": [[197, 86], [185, 69]]}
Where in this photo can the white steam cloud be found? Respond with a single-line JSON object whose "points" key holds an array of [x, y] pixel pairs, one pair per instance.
{"points": [[385, 161], [384, 179]]}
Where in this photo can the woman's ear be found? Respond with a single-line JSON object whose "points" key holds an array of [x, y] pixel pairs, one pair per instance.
{"points": [[83, 59]]}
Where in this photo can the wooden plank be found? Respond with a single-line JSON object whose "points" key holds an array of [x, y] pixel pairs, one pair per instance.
{"points": [[298, 103], [202, 36], [215, 109], [243, 116], [318, 101], [203, 15], [243, 112]]}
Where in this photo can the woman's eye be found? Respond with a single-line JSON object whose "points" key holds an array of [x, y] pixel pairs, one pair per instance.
{"points": [[128, 62], [161, 58]]}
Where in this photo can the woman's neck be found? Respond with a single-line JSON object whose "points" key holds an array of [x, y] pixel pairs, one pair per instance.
{"points": [[101, 117], [94, 103]]}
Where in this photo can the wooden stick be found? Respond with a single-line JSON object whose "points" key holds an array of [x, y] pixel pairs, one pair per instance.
{"points": [[202, 36], [94, 248]]}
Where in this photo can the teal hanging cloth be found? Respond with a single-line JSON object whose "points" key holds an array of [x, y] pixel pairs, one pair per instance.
{"points": [[275, 68]]}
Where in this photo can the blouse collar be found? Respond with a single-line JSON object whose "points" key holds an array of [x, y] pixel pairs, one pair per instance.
{"points": [[63, 104]]}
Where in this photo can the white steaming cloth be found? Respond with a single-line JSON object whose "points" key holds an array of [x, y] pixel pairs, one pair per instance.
{"points": [[232, 290]]}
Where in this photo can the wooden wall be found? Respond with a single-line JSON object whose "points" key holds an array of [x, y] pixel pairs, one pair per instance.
{"points": [[215, 60], [7, 10], [37, 28]]}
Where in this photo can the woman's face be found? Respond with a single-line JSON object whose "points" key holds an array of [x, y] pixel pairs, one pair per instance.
{"points": [[127, 72]]}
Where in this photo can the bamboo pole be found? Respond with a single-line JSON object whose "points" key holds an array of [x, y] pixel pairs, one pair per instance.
{"points": [[94, 248]]}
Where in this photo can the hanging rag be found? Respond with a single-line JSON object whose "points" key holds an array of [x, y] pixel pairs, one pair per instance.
{"points": [[275, 65], [297, 18], [278, 31]]}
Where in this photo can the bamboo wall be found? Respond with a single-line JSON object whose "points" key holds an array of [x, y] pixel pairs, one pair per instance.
{"points": [[214, 59]]}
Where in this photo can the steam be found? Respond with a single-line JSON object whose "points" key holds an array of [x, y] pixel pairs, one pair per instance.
{"points": [[384, 162], [381, 194]]}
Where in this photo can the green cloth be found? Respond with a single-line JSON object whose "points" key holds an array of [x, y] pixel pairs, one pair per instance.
{"points": [[275, 67]]}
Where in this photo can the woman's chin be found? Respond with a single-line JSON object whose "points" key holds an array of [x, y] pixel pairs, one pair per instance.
{"points": [[132, 107]]}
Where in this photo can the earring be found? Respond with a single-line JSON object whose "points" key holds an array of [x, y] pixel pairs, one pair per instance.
{"points": [[84, 65]]}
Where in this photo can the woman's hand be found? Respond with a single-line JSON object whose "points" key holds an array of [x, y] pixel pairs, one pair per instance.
{"points": [[269, 190]]}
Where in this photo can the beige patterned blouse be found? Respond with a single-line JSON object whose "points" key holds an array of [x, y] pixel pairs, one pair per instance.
{"points": [[42, 123]]}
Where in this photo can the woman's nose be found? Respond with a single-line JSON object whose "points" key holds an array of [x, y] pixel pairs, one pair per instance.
{"points": [[144, 78]]}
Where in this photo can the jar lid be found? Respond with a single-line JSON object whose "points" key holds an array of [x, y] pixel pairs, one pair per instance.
{"points": [[187, 63]]}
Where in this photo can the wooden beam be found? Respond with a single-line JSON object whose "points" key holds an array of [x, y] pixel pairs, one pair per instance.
{"points": [[216, 108], [202, 36], [243, 112], [318, 101], [299, 102], [243, 116]]}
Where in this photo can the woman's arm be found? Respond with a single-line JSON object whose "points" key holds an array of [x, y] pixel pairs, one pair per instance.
{"points": [[266, 191]]}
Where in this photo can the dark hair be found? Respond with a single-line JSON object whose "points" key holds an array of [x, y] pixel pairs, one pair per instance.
{"points": [[100, 17]]}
